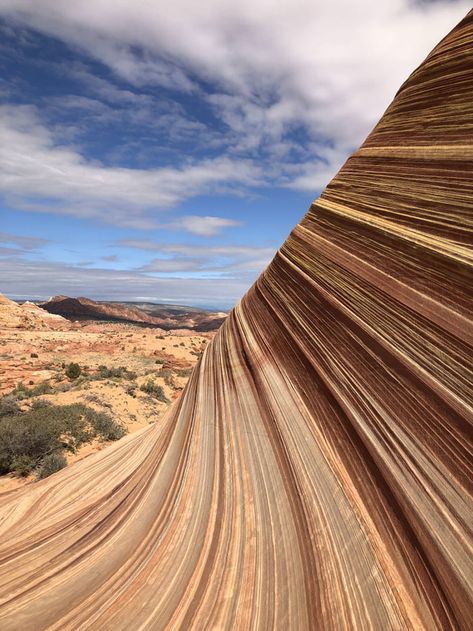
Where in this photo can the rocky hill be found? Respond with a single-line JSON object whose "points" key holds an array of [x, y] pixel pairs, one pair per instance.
{"points": [[163, 316], [28, 316]]}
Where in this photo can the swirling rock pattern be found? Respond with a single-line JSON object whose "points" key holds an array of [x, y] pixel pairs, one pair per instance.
{"points": [[316, 472]]}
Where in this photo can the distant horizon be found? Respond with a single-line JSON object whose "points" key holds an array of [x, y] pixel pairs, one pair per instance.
{"points": [[143, 300]]}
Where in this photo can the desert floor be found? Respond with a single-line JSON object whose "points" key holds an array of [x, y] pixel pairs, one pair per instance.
{"points": [[166, 358]]}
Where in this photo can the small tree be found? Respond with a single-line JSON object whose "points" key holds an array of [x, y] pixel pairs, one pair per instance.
{"points": [[73, 371]]}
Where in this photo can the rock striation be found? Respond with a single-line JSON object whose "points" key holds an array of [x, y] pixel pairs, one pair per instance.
{"points": [[316, 472]]}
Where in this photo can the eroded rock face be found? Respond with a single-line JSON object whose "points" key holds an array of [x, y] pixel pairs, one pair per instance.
{"points": [[314, 474], [28, 316]]}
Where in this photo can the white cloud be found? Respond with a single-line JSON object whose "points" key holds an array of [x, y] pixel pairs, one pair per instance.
{"points": [[37, 173], [229, 260], [187, 249], [205, 226], [329, 66], [22, 242]]}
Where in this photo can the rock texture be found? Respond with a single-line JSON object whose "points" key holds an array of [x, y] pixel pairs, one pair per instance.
{"points": [[316, 472]]}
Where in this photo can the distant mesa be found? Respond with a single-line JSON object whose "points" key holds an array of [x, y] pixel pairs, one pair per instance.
{"points": [[164, 316]]}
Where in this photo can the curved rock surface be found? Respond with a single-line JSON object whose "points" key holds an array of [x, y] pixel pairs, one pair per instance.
{"points": [[316, 472]]}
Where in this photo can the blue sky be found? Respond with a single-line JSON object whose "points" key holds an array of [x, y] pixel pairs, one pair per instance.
{"points": [[163, 151]]}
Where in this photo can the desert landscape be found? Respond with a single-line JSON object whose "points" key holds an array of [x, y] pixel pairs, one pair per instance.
{"points": [[131, 373]]}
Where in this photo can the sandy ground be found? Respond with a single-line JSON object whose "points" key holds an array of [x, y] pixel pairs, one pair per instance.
{"points": [[91, 345]]}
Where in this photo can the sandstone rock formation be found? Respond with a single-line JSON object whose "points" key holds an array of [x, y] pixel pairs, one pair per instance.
{"points": [[28, 316], [316, 472]]}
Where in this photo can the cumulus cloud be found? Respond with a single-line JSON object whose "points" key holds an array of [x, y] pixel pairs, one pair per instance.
{"points": [[331, 67], [206, 226], [39, 174]]}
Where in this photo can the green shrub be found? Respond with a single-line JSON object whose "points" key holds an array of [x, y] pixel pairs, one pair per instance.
{"points": [[73, 370], [21, 392], [105, 427], [23, 465], [30, 434], [154, 390], [51, 463], [108, 373], [34, 355], [40, 403], [8, 405], [26, 438], [184, 372], [42, 388]]}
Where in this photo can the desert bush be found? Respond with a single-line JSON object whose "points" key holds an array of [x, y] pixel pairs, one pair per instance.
{"points": [[26, 435], [42, 388], [167, 375], [40, 403], [154, 390], [131, 391], [26, 438], [50, 464], [21, 392], [105, 426], [34, 355], [23, 465], [103, 372], [8, 405], [184, 372], [73, 370]]}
